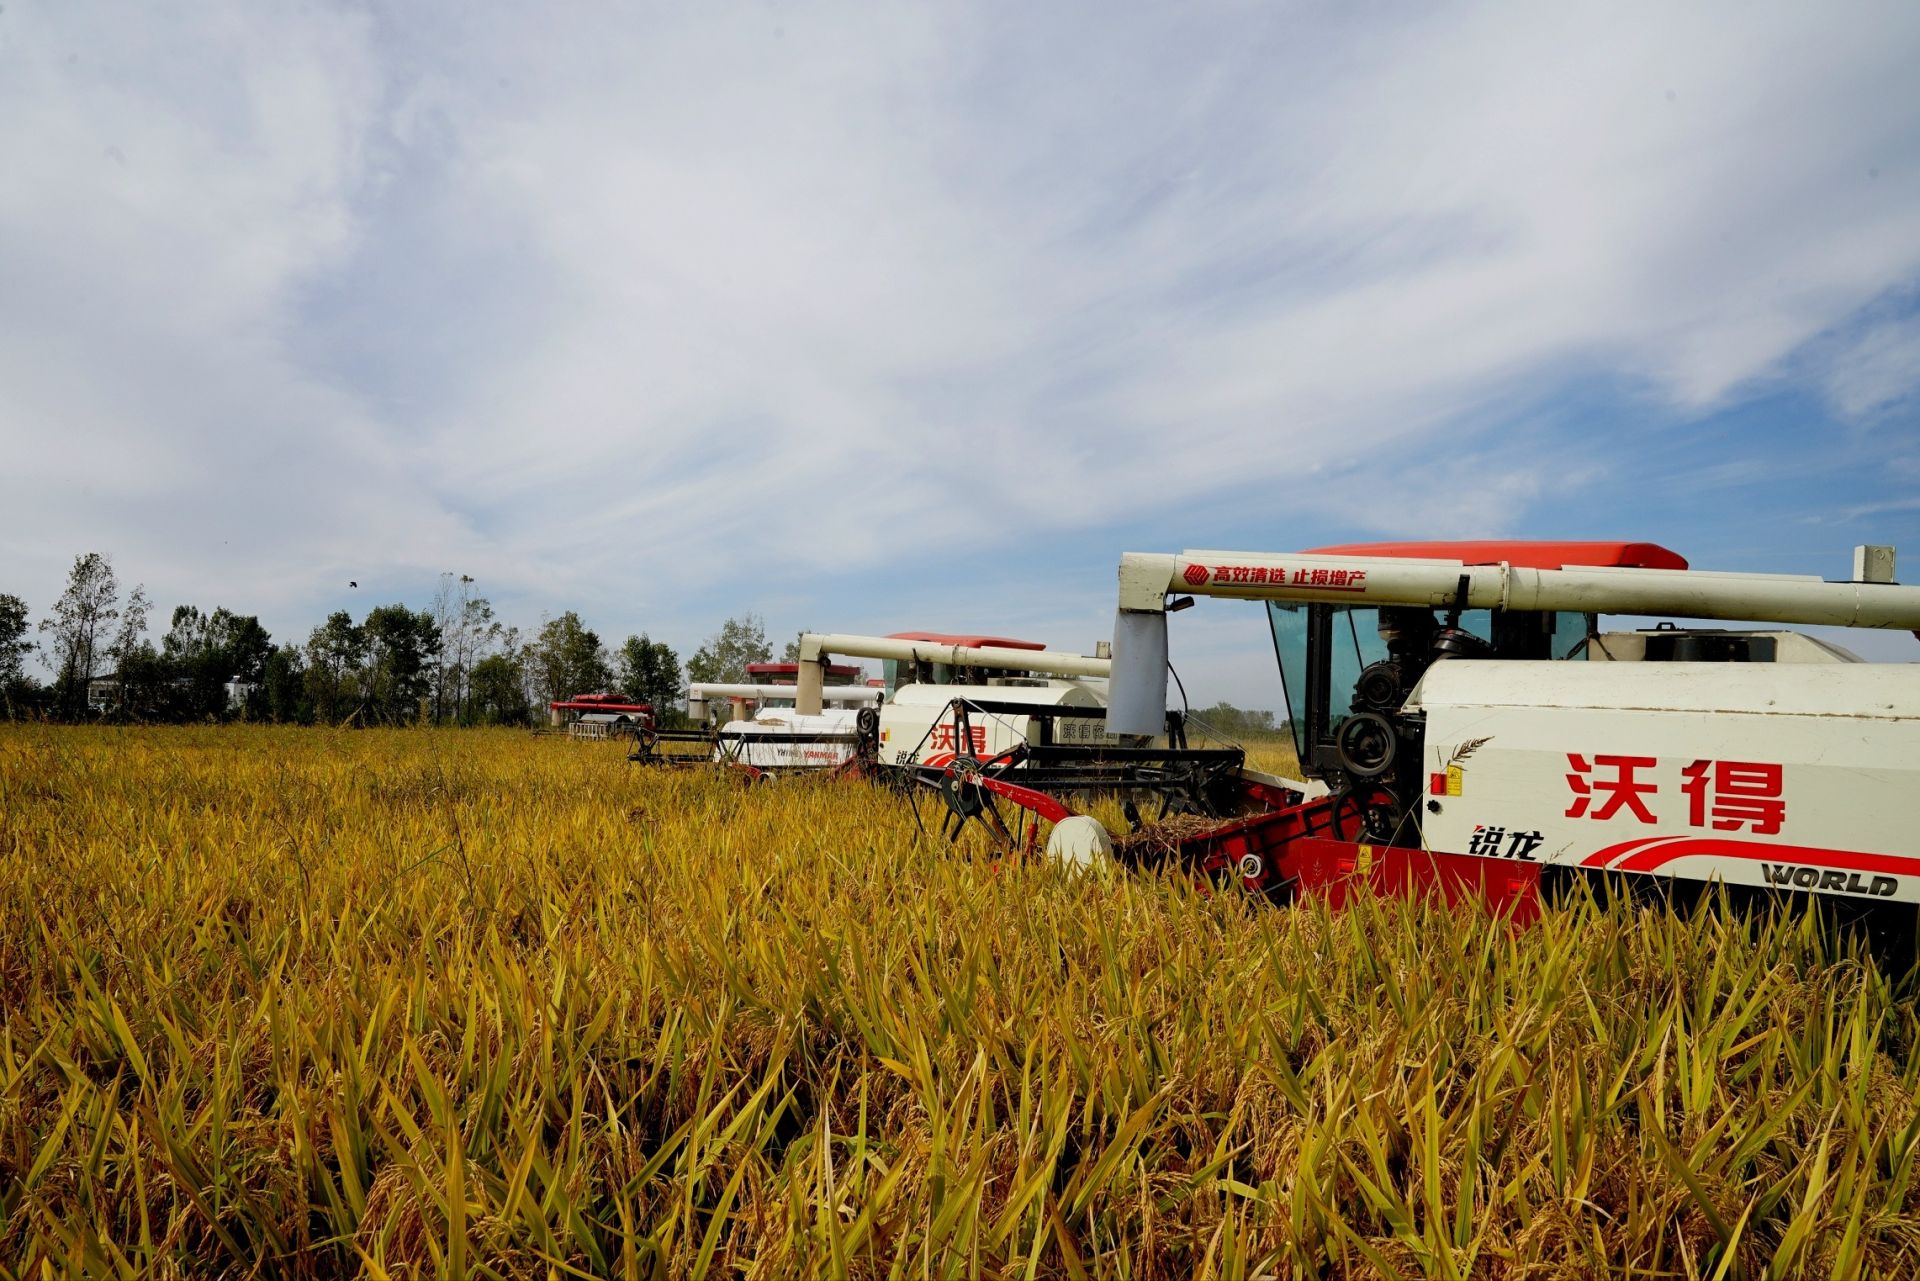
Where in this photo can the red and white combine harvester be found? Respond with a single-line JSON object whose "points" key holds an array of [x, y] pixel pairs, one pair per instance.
{"points": [[600, 715], [900, 718], [1010, 692], [1033, 691], [1032, 718], [1467, 729], [763, 733]]}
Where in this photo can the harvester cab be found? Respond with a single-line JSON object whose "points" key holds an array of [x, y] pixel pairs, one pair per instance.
{"points": [[1349, 672], [1474, 725]]}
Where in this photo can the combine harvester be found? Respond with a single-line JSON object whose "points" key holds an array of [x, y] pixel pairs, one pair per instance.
{"points": [[1034, 691], [600, 716], [829, 725], [1469, 731], [897, 719], [961, 706], [761, 733], [950, 706], [764, 734]]}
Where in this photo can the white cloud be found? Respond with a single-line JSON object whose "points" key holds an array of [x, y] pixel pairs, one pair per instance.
{"points": [[170, 189], [1880, 366], [609, 305]]}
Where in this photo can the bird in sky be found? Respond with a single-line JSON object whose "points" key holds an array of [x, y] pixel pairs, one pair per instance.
{"points": [[352, 583]]}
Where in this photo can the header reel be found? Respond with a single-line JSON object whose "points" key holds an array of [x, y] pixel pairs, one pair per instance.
{"points": [[1039, 774]]}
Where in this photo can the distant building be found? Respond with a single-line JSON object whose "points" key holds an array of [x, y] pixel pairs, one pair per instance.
{"points": [[103, 694]]}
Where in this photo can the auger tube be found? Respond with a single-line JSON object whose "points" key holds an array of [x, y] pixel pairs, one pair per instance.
{"points": [[1145, 580], [815, 649], [1139, 688]]}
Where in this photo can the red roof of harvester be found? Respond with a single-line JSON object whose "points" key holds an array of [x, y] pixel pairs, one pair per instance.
{"points": [[970, 642], [1527, 555], [793, 669], [597, 703]]}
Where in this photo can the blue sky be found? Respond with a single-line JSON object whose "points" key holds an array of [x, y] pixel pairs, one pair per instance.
{"points": [[878, 317]]}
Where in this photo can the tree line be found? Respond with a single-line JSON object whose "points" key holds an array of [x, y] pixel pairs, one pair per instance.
{"points": [[450, 662]]}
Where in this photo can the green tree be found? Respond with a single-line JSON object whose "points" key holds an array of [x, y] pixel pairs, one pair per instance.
{"points": [[132, 632], [79, 629], [466, 626], [567, 658], [335, 667], [475, 632], [205, 651], [402, 646], [15, 685], [724, 657], [147, 687], [1228, 719], [283, 692], [142, 674], [650, 673], [491, 639], [497, 690]]}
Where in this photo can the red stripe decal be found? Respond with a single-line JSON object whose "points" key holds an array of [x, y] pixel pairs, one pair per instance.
{"points": [[1605, 857], [1720, 847]]}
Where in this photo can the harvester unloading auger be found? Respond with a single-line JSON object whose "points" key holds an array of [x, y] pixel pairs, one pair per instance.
{"points": [[1479, 737]]}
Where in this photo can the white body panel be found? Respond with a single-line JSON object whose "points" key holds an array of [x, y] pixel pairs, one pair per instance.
{"points": [[1788, 647], [917, 725], [1803, 776], [767, 740]]}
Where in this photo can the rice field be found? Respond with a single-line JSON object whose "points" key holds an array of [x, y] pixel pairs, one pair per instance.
{"points": [[284, 1002]]}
